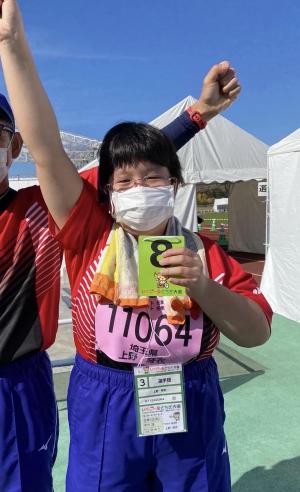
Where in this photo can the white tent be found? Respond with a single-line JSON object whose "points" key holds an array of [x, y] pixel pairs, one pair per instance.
{"points": [[281, 276], [224, 152]]}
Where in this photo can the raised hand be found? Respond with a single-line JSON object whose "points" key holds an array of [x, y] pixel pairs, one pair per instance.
{"points": [[220, 88], [10, 20]]}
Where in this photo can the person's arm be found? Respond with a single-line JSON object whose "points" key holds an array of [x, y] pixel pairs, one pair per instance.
{"points": [[238, 317], [232, 307], [60, 183], [181, 130], [219, 89]]}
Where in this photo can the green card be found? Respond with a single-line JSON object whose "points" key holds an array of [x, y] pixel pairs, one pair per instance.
{"points": [[151, 283]]}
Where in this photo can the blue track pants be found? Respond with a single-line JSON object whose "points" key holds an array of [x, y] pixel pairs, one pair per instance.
{"points": [[107, 456], [28, 425]]}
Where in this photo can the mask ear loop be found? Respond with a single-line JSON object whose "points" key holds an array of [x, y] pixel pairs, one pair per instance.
{"points": [[149, 343], [7, 148], [112, 206], [12, 137]]}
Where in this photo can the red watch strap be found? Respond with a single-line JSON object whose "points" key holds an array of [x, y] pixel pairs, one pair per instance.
{"points": [[197, 118]]}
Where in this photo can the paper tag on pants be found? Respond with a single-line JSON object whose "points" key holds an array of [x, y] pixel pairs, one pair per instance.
{"points": [[160, 399]]}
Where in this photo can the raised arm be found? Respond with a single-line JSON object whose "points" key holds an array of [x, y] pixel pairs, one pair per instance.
{"points": [[60, 183], [220, 87]]}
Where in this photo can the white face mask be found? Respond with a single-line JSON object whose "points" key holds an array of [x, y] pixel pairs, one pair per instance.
{"points": [[142, 208], [3, 164]]}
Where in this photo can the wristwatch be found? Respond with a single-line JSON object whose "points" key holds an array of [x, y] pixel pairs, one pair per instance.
{"points": [[196, 117]]}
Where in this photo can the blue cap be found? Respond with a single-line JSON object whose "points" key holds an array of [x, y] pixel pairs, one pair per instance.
{"points": [[5, 106]]}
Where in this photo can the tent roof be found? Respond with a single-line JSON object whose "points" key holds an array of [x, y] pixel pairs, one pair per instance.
{"points": [[90, 165], [291, 143], [221, 152]]}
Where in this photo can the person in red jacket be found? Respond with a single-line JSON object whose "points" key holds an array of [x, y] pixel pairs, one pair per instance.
{"points": [[119, 333], [121, 337], [29, 298], [30, 288]]}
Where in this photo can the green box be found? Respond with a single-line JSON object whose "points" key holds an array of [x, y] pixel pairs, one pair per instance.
{"points": [[150, 283]]}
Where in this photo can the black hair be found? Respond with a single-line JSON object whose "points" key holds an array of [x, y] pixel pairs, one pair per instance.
{"points": [[130, 143]]}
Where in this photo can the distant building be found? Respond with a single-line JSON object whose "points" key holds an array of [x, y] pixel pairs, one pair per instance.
{"points": [[220, 205]]}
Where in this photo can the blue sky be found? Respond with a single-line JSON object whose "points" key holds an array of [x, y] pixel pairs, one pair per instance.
{"points": [[104, 61]]}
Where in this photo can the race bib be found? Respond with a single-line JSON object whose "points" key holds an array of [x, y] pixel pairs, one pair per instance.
{"points": [[143, 335]]}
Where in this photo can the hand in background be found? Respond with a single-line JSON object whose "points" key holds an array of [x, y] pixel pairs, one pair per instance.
{"points": [[219, 89]]}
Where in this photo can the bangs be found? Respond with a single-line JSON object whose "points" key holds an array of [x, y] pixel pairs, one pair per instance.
{"points": [[132, 145]]}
